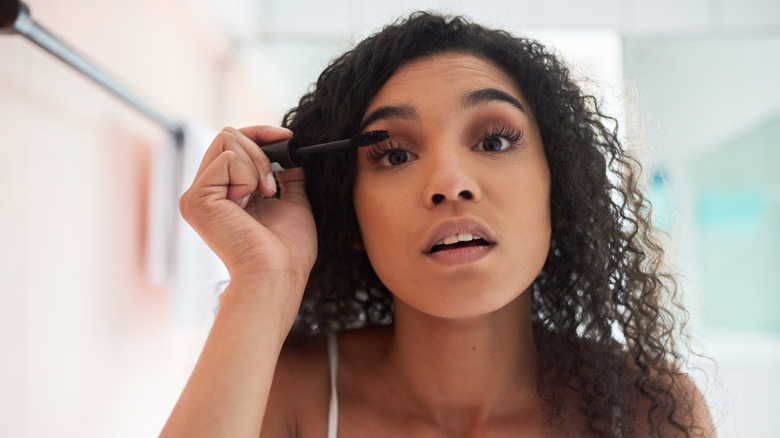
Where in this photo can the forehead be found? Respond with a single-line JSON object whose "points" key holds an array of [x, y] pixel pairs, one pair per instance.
{"points": [[451, 73]]}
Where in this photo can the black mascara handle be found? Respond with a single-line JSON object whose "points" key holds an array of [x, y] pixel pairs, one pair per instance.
{"points": [[283, 153]]}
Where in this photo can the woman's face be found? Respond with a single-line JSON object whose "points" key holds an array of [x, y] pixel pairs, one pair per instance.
{"points": [[454, 208]]}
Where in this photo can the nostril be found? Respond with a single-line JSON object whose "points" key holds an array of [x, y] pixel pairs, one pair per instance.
{"points": [[438, 198]]}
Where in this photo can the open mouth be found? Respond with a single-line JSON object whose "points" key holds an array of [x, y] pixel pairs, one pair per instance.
{"points": [[458, 241], [478, 242]]}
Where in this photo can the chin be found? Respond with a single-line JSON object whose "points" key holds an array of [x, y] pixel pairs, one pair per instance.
{"points": [[462, 304]]}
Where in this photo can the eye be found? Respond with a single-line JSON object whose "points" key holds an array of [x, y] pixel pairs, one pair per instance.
{"points": [[397, 157], [499, 139], [389, 155], [494, 144]]}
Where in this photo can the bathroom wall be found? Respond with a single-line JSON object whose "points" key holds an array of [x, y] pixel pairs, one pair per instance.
{"points": [[709, 109], [87, 346]]}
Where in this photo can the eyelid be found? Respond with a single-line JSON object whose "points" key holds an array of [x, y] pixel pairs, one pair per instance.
{"points": [[505, 130], [378, 152], [501, 130]]}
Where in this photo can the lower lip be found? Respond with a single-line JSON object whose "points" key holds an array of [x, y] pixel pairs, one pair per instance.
{"points": [[460, 256]]}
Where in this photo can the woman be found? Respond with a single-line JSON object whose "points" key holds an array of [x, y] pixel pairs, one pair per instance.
{"points": [[490, 269]]}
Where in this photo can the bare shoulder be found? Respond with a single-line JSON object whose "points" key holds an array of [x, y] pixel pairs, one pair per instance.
{"points": [[298, 402], [300, 393], [691, 409], [663, 398], [700, 411]]}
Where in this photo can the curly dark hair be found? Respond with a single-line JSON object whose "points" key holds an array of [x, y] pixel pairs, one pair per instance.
{"points": [[606, 316]]}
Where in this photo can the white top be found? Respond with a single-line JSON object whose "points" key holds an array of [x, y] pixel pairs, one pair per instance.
{"points": [[333, 362]]}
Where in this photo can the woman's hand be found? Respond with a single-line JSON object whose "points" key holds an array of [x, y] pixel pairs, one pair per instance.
{"points": [[268, 245], [231, 205]]}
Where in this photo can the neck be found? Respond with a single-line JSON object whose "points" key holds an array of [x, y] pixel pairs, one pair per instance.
{"points": [[466, 369]]}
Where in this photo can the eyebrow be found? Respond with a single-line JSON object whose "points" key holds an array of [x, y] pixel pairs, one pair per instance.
{"points": [[469, 100], [390, 112], [487, 95]]}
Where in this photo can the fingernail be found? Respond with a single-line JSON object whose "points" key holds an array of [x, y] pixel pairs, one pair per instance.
{"points": [[243, 201], [279, 128], [271, 182]]}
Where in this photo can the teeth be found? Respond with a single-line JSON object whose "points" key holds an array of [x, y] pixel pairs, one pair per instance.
{"points": [[449, 240], [466, 237]]}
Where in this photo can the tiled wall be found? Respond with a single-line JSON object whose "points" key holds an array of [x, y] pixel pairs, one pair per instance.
{"points": [[339, 17]]}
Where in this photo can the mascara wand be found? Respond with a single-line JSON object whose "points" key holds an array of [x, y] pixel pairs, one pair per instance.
{"points": [[289, 153]]}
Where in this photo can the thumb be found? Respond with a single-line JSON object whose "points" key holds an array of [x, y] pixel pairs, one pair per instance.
{"points": [[292, 183]]}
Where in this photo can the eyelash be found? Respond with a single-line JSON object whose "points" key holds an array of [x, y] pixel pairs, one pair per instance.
{"points": [[378, 152], [503, 131]]}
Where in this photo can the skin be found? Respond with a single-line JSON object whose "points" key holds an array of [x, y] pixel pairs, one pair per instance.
{"points": [[509, 189], [454, 351], [269, 249], [460, 359]]}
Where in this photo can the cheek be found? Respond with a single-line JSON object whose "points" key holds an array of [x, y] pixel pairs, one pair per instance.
{"points": [[374, 215], [526, 214], [384, 222], [382, 229], [541, 223]]}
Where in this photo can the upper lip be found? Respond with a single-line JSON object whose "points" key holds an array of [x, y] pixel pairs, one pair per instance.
{"points": [[462, 226]]}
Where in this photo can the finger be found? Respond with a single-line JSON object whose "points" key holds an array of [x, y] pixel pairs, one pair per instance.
{"points": [[227, 177], [259, 135], [266, 134], [254, 157], [293, 184], [246, 138], [224, 140], [245, 148]]}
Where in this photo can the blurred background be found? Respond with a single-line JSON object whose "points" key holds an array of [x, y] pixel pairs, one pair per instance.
{"points": [[106, 298]]}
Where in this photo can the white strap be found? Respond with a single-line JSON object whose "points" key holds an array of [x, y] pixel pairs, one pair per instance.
{"points": [[333, 362]]}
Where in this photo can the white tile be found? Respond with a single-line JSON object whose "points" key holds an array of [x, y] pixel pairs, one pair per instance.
{"points": [[375, 15], [668, 15], [750, 13], [509, 15], [513, 16], [304, 18], [579, 14]]}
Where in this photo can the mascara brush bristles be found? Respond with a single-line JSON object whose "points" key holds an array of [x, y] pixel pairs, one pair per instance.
{"points": [[370, 137]]}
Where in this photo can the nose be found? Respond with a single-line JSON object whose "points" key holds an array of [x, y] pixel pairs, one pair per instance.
{"points": [[450, 179]]}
